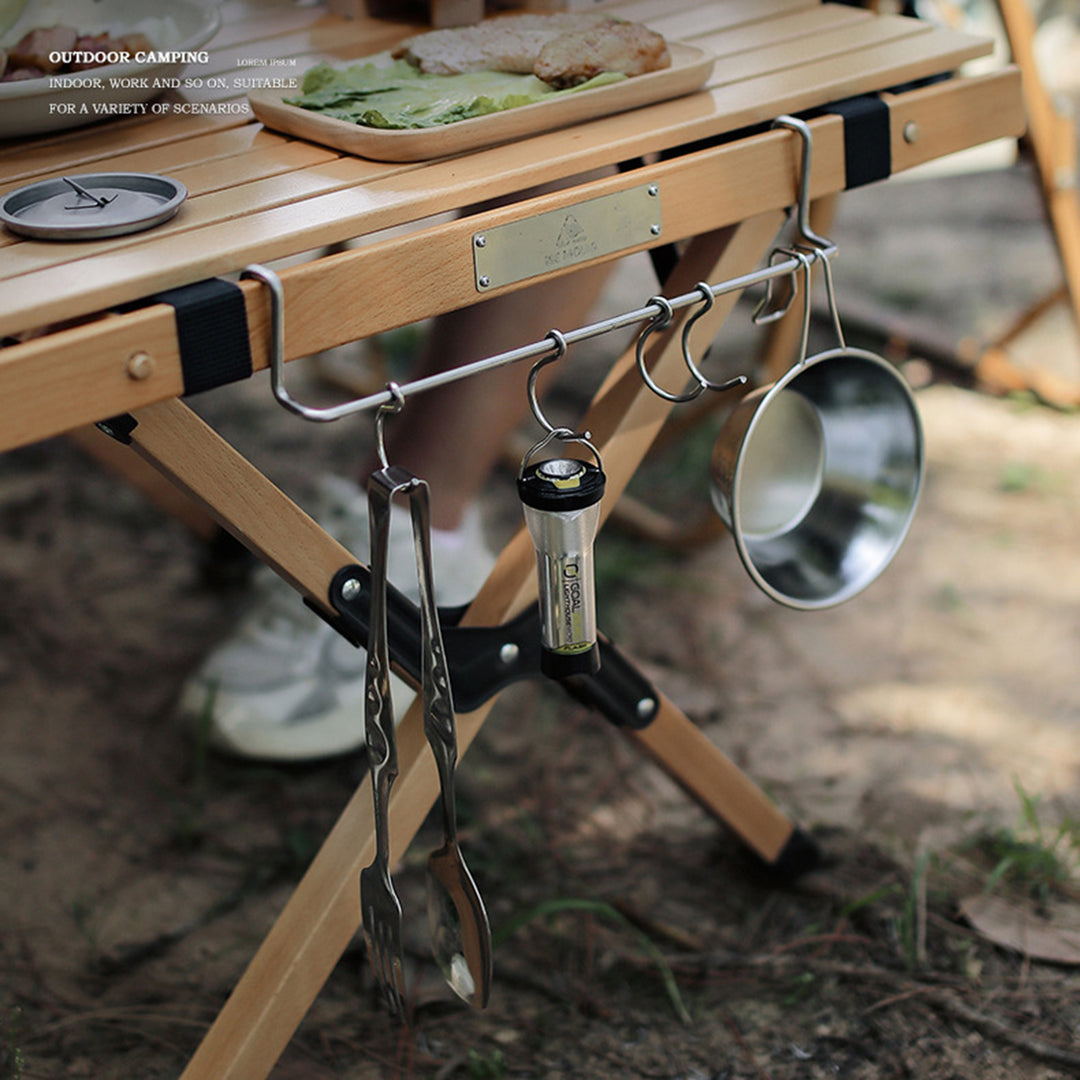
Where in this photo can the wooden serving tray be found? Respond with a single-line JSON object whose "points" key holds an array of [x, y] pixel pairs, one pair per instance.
{"points": [[690, 68]]}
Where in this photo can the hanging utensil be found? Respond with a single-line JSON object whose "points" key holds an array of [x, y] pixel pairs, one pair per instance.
{"points": [[818, 475], [460, 932], [379, 902], [381, 908]]}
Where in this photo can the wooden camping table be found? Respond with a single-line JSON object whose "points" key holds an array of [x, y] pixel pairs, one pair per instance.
{"points": [[71, 358]]}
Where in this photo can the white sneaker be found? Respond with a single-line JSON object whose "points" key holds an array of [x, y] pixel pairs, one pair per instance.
{"points": [[285, 686]]}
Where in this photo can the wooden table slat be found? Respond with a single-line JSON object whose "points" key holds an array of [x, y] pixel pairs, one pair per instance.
{"points": [[783, 29], [731, 12], [235, 142], [215, 200], [701, 19], [83, 148], [847, 40]]}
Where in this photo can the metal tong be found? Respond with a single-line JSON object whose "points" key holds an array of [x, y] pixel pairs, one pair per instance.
{"points": [[379, 902], [460, 932]]}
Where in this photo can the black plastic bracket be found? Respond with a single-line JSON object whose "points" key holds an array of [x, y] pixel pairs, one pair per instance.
{"points": [[485, 659], [119, 427]]}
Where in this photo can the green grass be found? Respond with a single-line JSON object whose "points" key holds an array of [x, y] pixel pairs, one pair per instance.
{"points": [[12, 1060], [911, 923], [1031, 857], [481, 1067]]}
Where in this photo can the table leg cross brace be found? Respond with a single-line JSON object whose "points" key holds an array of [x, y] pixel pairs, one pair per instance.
{"points": [[485, 659]]}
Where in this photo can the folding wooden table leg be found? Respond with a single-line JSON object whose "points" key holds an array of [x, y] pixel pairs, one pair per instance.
{"points": [[113, 457], [1054, 144], [323, 914], [1053, 141]]}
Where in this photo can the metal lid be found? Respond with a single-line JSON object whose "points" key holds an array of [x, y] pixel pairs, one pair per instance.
{"points": [[89, 206]]}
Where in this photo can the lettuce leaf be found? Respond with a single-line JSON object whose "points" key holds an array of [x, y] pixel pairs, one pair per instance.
{"points": [[398, 96]]}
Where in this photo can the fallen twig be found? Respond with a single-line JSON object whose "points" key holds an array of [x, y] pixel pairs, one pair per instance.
{"points": [[746, 1049]]}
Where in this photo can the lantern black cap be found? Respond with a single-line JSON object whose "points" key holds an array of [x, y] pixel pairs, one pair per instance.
{"points": [[561, 484]]}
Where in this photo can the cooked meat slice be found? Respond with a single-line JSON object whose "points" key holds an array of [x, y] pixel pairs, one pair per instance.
{"points": [[508, 43], [625, 47], [33, 49]]}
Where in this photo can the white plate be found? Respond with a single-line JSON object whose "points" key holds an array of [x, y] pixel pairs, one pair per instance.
{"points": [[32, 106]]}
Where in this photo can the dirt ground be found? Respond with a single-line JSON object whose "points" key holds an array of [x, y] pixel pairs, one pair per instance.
{"points": [[927, 734]]}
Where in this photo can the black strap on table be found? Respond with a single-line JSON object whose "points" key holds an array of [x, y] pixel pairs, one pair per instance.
{"points": [[867, 138], [212, 331]]}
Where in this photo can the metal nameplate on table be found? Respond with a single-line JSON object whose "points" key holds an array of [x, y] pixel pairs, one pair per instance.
{"points": [[565, 237]]}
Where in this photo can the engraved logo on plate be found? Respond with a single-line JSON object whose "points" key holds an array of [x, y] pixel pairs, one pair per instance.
{"points": [[572, 244]]}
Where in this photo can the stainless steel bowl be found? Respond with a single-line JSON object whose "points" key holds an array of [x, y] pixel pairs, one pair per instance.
{"points": [[817, 476]]}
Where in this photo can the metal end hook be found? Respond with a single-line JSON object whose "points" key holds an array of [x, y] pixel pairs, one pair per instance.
{"points": [[807, 261], [793, 123], [708, 300], [277, 333], [387, 408], [277, 345], [659, 322], [830, 295], [559, 341], [765, 312]]}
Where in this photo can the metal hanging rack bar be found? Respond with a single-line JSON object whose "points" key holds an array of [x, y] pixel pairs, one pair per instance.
{"points": [[657, 312], [651, 312]]}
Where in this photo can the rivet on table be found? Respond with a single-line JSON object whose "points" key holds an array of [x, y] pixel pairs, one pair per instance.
{"points": [[484, 282], [509, 653], [655, 230], [480, 241], [140, 366], [911, 132], [646, 707], [654, 189], [350, 589]]}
